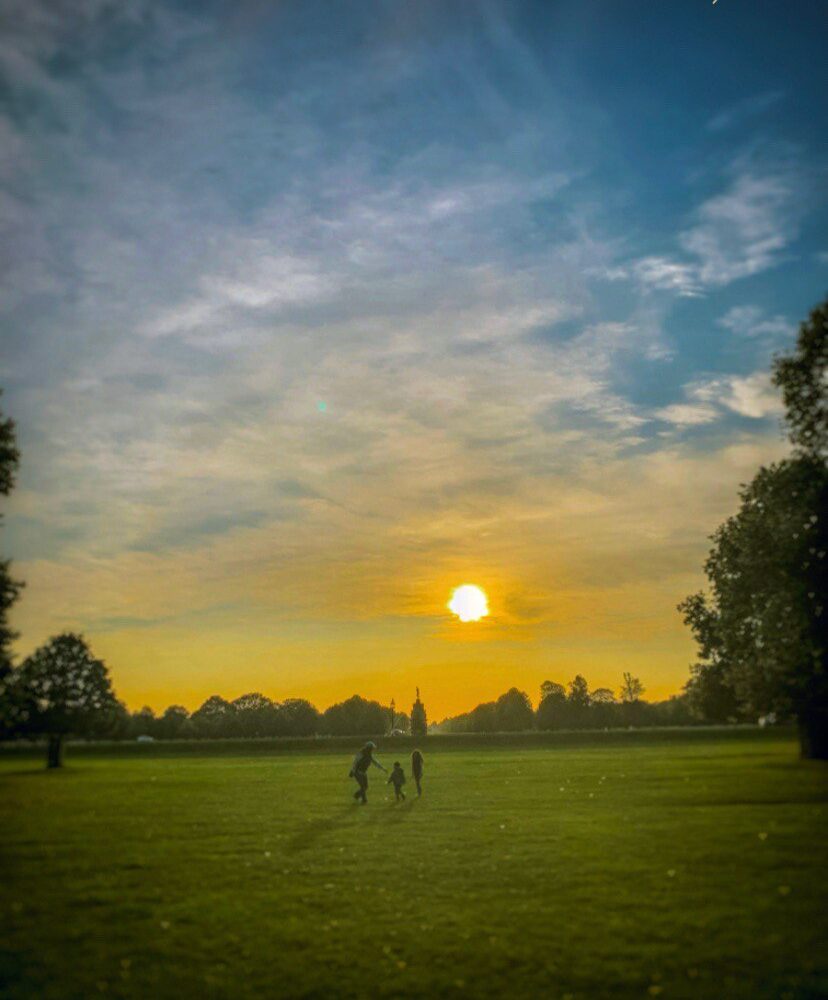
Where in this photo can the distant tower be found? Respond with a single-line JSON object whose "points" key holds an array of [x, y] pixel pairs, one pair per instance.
{"points": [[393, 714], [419, 722]]}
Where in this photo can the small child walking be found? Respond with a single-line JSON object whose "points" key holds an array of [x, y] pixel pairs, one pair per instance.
{"points": [[397, 779], [417, 770]]}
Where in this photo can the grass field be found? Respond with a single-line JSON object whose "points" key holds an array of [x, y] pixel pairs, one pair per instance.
{"points": [[683, 868]]}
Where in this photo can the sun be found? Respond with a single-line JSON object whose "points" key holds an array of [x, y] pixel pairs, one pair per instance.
{"points": [[469, 603]]}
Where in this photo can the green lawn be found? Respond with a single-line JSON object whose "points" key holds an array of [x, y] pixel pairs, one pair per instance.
{"points": [[684, 868]]}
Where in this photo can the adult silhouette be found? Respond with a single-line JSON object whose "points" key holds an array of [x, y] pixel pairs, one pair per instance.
{"points": [[359, 770]]}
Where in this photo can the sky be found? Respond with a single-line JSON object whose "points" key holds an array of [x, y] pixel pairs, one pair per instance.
{"points": [[312, 312]]}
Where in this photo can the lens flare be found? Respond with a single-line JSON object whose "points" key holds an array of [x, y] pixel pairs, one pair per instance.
{"points": [[469, 603]]}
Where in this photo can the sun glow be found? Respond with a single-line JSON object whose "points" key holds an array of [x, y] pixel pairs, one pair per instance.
{"points": [[469, 603]]}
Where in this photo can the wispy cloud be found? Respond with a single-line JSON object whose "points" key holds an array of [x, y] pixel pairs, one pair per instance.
{"points": [[742, 231], [743, 111], [736, 234], [752, 321], [668, 275], [751, 396]]}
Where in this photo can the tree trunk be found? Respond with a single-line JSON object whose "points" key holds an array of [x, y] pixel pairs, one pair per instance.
{"points": [[813, 734], [55, 751]]}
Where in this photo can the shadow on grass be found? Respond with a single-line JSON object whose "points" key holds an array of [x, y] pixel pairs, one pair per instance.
{"points": [[309, 833]]}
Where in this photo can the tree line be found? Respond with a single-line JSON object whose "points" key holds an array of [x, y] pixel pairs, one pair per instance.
{"points": [[63, 689], [575, 707]]}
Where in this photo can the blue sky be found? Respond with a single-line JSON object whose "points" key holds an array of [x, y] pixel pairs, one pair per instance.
{"points": [[533, 258]]}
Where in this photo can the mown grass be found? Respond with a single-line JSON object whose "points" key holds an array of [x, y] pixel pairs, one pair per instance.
{"points": [[678, 869]]}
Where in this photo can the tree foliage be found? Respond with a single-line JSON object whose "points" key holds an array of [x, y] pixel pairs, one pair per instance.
{"points": [[558, 710], [253, 715], [802, 378], [9, 587], [214, 717], [173, 722], [551, 712], [299, 717], [513, 712], [355, 717], [710, 695], [631, 689], [64, 689], [761, 629]]}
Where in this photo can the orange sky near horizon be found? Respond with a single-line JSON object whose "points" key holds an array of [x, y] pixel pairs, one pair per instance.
{"points": [[454, 675], [579, 580]]}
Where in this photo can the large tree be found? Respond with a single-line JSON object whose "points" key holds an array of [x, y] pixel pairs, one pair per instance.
{"points": [[551, 712], [631, 689], [710, 692], [761, 630], [172, 723], [214, 718], [801, 377], [578, 703], [63, 689], [355, 717], [9, 588], [298, 718], [514, 712], [254, 715]]}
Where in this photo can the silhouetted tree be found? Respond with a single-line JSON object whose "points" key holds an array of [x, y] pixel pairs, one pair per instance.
{"points": [[761, 631], [462, 723], [802, 378], [419, 720], [711, 696], [254, 715], [577, 702], [675, 711], [631, 689], [551, 712], [171, 723], [578, 692], [64, 690], [143, 722], [762, 628], [483, 718], [299, 718], [633, 709], [119, 722], [355, 717], [213, 718], [513, 712], [9, 588], [603, 708]]}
